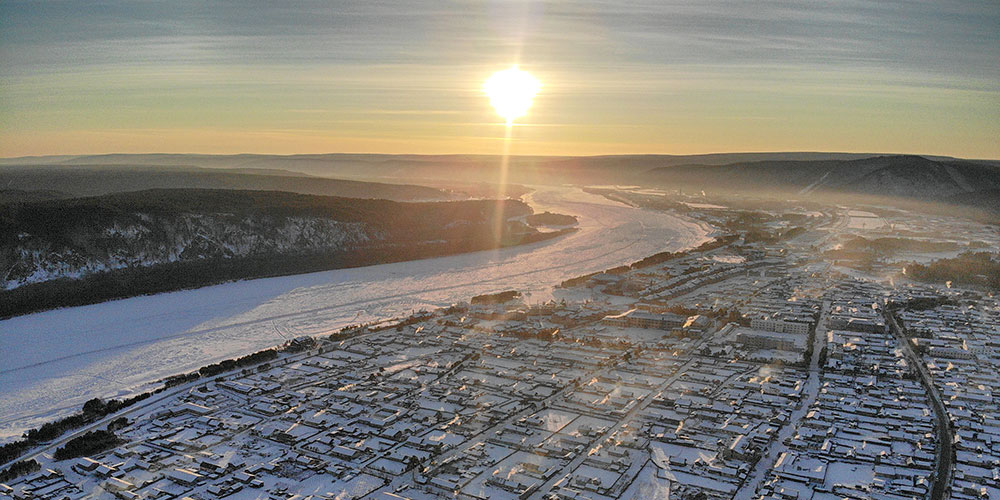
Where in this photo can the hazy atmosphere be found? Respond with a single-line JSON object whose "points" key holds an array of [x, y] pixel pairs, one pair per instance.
{"points": [[676, 77], [501, 250]]}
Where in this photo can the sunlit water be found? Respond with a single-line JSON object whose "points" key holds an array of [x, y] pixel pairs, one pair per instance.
{"points": [[51, 362]]}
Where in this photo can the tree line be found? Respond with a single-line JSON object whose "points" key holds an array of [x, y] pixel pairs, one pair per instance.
{"points": [[655, 259], [92, 411], [97, 408]]}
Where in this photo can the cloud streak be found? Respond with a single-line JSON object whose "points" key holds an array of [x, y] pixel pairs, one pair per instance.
{"points": [[900, 68]]}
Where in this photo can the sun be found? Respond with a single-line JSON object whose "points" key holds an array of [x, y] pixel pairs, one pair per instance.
{"points": [[512, 92]]}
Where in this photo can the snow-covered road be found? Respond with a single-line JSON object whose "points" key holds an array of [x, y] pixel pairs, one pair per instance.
{"points": [[51, 362], [811, 392]]}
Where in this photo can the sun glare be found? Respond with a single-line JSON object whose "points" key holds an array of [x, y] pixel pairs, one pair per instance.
{"points": [[511, 92]]}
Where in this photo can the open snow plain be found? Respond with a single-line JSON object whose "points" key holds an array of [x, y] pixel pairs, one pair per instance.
{"points": [[51, 362]]}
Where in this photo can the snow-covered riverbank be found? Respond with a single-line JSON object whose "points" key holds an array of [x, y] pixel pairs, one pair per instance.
{"points": [[51, 362]]}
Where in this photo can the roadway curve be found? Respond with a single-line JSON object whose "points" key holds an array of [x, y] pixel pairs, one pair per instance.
{"points": [[942, 477]]}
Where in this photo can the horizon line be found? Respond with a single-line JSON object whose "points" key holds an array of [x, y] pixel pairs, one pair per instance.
{"points": [[491, 155]]}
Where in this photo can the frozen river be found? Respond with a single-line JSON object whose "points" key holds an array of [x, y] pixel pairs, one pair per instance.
{"points": [[51, 362]]}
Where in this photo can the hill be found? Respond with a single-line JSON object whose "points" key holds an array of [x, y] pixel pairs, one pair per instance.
{"points": [[896, 179], [19, 195], [420, 168], [98, 179], [907, 181], [84, 250]]}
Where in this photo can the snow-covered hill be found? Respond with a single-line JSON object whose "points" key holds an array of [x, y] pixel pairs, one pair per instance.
{"points": [[83, 250], [893, 178], [144, 239]]}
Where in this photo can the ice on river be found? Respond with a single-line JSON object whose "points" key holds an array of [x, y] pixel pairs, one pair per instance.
{"points": [[51, 362]]}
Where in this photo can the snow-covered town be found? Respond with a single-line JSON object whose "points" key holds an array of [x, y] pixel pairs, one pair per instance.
{"points": [[730, 371], [499, 250]]}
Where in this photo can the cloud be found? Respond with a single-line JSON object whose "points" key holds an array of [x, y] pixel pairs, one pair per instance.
{"points": [[194, 64]]}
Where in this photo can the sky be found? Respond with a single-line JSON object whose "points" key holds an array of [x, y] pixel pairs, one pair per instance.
{"points": [[673, 76]]}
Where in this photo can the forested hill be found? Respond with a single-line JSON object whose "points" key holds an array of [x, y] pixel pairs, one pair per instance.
{"points": [[907, 181], [83, 250], [891, 179], [93, 180]]}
